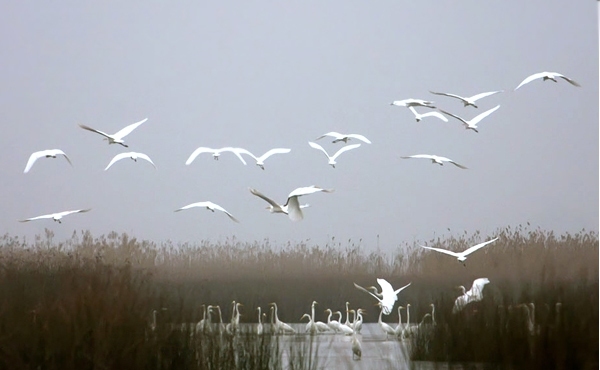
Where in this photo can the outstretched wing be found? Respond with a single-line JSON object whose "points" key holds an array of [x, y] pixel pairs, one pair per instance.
{"points": [[237, 152], [453, 115], [344, 149], [447, 94], [192, 205], [571, 81], [435, 114], [424, 156], [127, 129], [445, 251], [219, 208], [294, 209], [273, 151], [484, 94], [359, 137], [116, 158], [458, 165], [317, 146], [145, 157], [197, 152], [333, 134], [401, 289], [32, 158], [96, 131], [37, 218], [478, 246], [65, 213], [534, 76], [366, 291], [484, 114], [265, 198], [298, 192]]}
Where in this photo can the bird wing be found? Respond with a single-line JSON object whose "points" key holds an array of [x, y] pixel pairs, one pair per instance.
{"points": [[435, 114], [237, 152], [478, 118], [401, 289], [572, 82], [144, 156], [448, 94], [294, 209], [426, 156], [197, 152], [58, 151], [333, 134], [265, 198], [32, 158], [219, 208], [37, 218], [273, 151], [298, 192], [96, 131], [527, 80], [458, 165], [484, 94], [386, 287], [317, 146], [359, 137], [116, 158], [476, 247], [192, 205], [445, 251], [476, 291], [366, 291], [65, 213], [453, 115], [344, 149], [127, 129]]}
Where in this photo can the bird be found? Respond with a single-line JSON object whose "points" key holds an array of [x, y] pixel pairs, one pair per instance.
{"points": [[311, 328], [344, 137], [471, 99], [547, 76], [435, 159], [292, 207], [260, 161], [419, 117], [472, 124], [462, 256], [56, 216], [259, 326], [132, 155], [280, 326], [333, 324], [387, 329], [50, 153], [210, 206], [413, 103], [356, 347], [234, 325], [472, 295], [358, 320], [345, 329], [332, 159], [116, 138], [388, 295], [216, 153], [399, 331]]}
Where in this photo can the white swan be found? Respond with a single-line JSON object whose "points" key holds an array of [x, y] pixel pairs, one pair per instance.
{"points": [[462, 256], [472, 124], [292, 207], [56, 216], [216, 153], [413, 103], [472, 295], [116, 138], [260, 161], [344, 137], [210, 206], [388, 294], [547, 76], [50, 153], [435, 159], [132, 155], [419, 116], [332, 158], [471, 99]]}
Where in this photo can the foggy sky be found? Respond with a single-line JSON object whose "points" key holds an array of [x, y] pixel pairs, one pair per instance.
{"points": [[265, 74]]}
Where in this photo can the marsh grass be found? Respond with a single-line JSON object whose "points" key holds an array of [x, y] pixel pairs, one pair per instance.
{"points": [[87, 302]]}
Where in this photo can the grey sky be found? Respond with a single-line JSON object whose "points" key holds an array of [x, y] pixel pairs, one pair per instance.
{"points": [[265, 74]]}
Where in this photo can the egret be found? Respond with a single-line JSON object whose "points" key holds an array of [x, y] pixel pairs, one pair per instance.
{"points": [[280, 326], [56, 216], [356, 347], [321, 326], [332, 159], [462, 256], [292, 207], [311, 328], [358, 320], [344, 137], [216, 153], [50, 153], [259, 327], [547, 76], [333, 324], [471, 99], [388, 294], [345, 329], [260, 161], [132, 155], [210, 206], [472, 124], [419, 116], [435, 159], [474, 294], [399, 331], [387, 329], [116, 138], [413, 103]]}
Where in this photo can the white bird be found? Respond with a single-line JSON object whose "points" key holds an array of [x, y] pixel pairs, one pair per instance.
{"points": [[435, 159], [116, 138], [413, 103], [280, 326], [472, 295], [387, 329], [388, 295], [546, 76], [344, 137], [332, 159], [50, 153], [260, 161], [345, 329], [471, 99], [356, 348], [419, 117], [358, 320], [462, 256], [399, 331], [56, 216], [259, 327], [472, 124], [292, 207], [333, 324], [210, 206], [132, 155], [216, 153]]}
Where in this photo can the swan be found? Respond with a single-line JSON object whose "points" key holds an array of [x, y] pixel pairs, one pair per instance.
{"points": [[419, 117], [280, 326], [435, 159], [132, 155], [413, 103], [210, 206], [344, 137], [547, 76], [387, 329], [474, 294], [116, 138], [50, 153], [292, 207], [471, 99], [56, 216], [462, 256], [388, 294], [332, 159], [216, 153], [472, 124], [260, 161]]}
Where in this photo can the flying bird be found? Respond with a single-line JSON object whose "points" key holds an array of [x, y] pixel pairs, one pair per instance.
{"points": [[292, 207], [388, 295], [436, 159], [469, 100], [472, 124], [547, 76], [344, 137], [50, 153], [116, 138], [260, 161], [413, 103], [332, 159], [216, 153], [210, 206], [462, 256], [419, 117], [474, 294], [132, 155], [56, 216]]}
